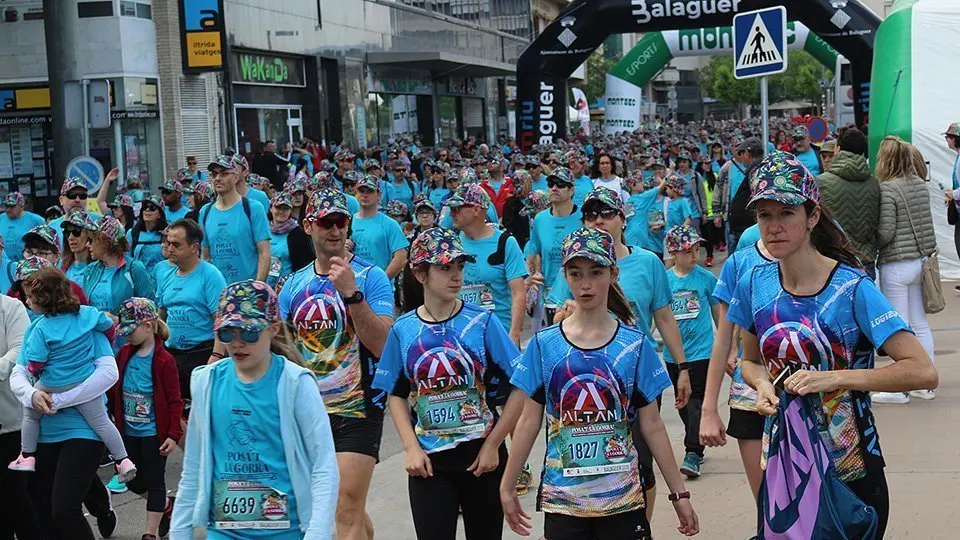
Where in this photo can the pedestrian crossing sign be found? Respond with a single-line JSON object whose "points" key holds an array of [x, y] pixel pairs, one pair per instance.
{"points": [[760, 43]]}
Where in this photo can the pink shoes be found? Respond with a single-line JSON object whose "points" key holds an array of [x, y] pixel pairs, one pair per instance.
{"points": [[126, 470], [23, 464]]}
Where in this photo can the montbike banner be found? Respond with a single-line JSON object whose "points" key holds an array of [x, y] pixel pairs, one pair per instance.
{"points": [[544, 67]]}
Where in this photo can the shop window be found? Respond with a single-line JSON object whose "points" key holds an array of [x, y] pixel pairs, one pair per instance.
{"points": [[86, 10]]}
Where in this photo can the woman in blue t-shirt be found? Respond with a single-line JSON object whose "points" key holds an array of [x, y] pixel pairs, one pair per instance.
{"points": [[78, 229], [445, 366], [592, 375], [144, 237], [815, 313], [256, 410]]}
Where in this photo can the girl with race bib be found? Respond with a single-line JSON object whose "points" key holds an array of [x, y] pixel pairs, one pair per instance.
{"points": [[441, 365], [259, 460], [592, 374]]}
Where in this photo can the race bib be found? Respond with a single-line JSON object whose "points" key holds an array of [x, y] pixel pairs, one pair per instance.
{"points": [[274, 267], [455, 412], [478, 294], [628, 210], [592, 449], [655, 218], [685, 305], [137, 407], [249, 505]]}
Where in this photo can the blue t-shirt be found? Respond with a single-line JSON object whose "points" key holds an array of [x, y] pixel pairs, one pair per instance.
{"points": [[546, 238], [353, 205], [401, 192], [638, 231], [810, 161], [191, 302], [12, 231], [75, 272], [690, 176], [65, 345], [736, 177], [251, 479], [254, 194], [749, 238], [489, 285], [8, 273], [446, 373], [541, 184], [328, 341], [377, 238], [668, 212], [100, 294], [148, 249], [173, 215], [742, 396], [837, 328], [139, 419], [280, 264], [232, 239], [590, 398], [643, 280], [160, 270], [438, 195], [692, 299], [582, 186]]}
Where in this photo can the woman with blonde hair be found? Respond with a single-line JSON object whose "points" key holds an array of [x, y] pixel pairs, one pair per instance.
{"points": [[905, 238]]}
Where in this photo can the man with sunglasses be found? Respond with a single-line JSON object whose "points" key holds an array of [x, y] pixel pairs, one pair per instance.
{"points": [[402, 187], [237, 244], [537, 181], [496, 188], [340, 309], [73, 196], [377, 237], [345, 162], [14, 223], [173, 208]]}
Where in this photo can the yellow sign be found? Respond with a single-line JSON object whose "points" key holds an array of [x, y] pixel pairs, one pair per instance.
{"points": [[33, 98], [203, 49]]}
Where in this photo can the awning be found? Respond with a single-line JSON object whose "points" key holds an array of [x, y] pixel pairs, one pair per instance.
{"points": [[442, 64]]}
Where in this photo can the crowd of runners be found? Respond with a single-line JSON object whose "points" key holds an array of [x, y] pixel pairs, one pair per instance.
{"points": [[264, 324]]}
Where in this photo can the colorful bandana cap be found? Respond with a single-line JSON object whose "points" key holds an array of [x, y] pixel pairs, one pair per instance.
{"points": [[371, 164], [519, 178], [200, 187], [295, 185], [111, 227], [953, 130], [230, 163], [468, 195], [248, 305], [80, 219], [676, 182], [133, 312], [469, 176], [321, 180], [453, 174], [397, 209], [70, 184], [423, 203], [172, 185], [325, 202], [183, 175], [154, 199], [121, 200], [783, 178], [606, 197], [369, 181], [534, 160], [242, 161], [682, 238], [535, 202], [13, 199], [563, 175], [683, 154], [29, 265], [47, 234], [343, 155], [352, 177], [589, 243], [438, 246], [282, 199], [800, 131]]}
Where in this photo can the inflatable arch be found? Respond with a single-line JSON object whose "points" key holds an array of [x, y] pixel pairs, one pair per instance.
{"points": [[544, 67], [626, 78]]}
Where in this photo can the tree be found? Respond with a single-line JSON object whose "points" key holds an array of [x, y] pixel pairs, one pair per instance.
{"points": [[595, 85], [717, 80], [800, 81]]}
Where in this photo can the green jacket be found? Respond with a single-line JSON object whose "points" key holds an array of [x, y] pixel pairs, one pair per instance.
{"points": [[852, 196]]}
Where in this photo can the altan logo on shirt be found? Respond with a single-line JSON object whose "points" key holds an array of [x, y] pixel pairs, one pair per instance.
{"points": [[593, 400], [441, 369]]}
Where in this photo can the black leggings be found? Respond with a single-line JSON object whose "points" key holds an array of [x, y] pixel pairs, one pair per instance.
{"points": [[66, 472], [151, 467], [17, 514], [709, 234], [690, 413], [435, 503]]}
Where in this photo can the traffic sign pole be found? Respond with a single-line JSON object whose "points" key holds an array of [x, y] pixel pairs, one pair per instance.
{"points": [[765, 114], [759, 50]]}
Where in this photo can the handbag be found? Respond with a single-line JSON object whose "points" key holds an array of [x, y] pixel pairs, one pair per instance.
{"points": [[953, 216], [933, 301], [802, 497]]}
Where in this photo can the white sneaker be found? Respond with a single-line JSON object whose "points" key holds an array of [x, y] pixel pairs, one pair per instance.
{"points": [[896, 398], [923, 394]]}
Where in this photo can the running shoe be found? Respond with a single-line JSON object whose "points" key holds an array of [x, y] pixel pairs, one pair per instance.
{"points": [[523, 481], [894, 398], [126, 470], [709, 262], [23, 464], [165, 518], [106, 460], [691, 465], [116, 486], [108, 523], [956, 289], [923, 394]]}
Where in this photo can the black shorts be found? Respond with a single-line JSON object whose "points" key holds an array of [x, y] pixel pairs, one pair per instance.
{"points": [[746, 425], [357, 435], [631, 525], [188, 360]]}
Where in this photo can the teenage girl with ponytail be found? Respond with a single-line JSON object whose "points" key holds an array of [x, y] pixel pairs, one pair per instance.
{"points": [[592, 374], [815, 312]]}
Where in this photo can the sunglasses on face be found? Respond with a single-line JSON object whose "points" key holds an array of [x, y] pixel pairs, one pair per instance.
{"points": [[147, 207], [557, 183], [607, 213], [74, 196], [337, 220], [72, 231], [226, 335]]}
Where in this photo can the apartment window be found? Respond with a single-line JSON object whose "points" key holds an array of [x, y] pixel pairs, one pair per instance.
{"points": [[86, 10], [139, 10]]}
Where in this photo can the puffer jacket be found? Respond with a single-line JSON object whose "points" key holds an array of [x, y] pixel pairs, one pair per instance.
{"points": [[852, 196], [895, 237]]}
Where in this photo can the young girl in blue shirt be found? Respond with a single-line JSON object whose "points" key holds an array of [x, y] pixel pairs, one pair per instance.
{"points": [[446, 364], [259, 460], [592, 374], [58, 351]]}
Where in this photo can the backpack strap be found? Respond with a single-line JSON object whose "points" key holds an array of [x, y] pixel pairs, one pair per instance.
{"points": [[500, 255]]}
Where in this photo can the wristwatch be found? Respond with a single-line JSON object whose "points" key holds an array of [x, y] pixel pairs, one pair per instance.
{"points": [[354, 298], [674, 497]]}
